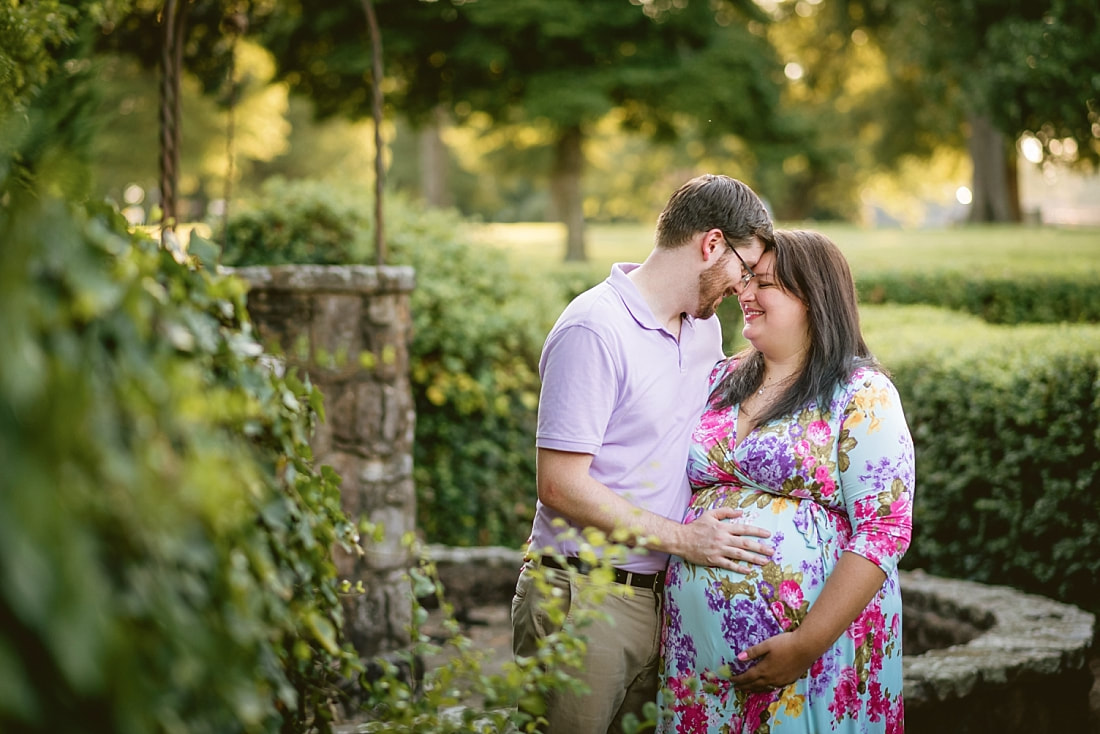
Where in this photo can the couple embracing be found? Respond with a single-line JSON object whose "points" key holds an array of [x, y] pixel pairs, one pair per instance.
{"points": [[774, 487]]}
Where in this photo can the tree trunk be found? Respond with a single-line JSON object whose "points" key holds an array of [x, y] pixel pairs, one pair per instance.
{"points": [[565, 188], [434, 162], [995, 189]]}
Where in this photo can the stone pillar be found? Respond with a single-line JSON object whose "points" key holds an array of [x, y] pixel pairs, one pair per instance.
{"points": [[349, 327]]}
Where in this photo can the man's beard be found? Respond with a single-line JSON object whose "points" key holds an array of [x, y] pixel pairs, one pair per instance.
{"points": [[713, 287]]}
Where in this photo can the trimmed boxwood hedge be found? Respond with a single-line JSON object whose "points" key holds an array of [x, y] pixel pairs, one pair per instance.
{"points": [[1006, 423], [1020, 299]]}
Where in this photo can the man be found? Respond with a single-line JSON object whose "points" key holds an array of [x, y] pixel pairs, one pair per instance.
{"points": [[624, 380]]}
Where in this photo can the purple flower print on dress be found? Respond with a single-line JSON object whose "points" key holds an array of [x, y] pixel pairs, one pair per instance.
{"points": [[803, 521], [746, 623], [716, 600], [799, 458], [768, 460], [813, 573], [679, 647], [823, 673]]}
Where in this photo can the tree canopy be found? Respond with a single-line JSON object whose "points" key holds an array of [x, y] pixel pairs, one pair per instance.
{"points": [[548, 91], [979, 74], [565, 64]]}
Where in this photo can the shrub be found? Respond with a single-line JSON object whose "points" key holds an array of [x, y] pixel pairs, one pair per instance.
{"points": [[300, 222], [164, 539], [1026, 298], [457, 696], [478, 328], [1006, 423]]}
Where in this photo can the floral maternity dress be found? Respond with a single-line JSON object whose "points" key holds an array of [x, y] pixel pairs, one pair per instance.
{"points": [[823, 482]]}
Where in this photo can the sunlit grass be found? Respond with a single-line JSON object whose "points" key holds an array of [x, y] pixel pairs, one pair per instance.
{"points": [[543, 243], [991, 251]]}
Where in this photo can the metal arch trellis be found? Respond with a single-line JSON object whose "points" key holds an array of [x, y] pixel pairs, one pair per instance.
{"points": [[235, 24], [174, 17], [376, 114], [175, 12]]}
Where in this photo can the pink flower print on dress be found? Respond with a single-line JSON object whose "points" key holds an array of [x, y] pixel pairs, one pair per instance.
{"points": [[819, 432], [817, 668], [878, 705], [790, 593], [755, 707], [859, 630], [846, 701], [694, 719], [825, 478], [895, 717], [900, 506], [710, 431], [780, 613]]}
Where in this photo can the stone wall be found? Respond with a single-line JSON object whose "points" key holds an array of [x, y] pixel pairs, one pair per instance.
{"points": [[1025, 670], [978, 658], [349, 327]]}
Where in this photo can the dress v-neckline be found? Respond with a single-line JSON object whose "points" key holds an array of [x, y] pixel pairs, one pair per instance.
{"points": [[738, 439]]}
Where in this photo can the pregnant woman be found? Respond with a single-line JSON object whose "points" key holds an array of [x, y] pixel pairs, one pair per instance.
{"points": [[806, 434]]}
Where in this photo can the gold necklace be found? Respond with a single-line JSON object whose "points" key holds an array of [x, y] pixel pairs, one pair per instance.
{"points": [[767, 386]]}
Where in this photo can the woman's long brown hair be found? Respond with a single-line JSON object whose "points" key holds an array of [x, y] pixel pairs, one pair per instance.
{"points": [[809, 266]]}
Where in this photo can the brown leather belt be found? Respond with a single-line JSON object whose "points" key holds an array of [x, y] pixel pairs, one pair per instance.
{"points": [[655, 582]]}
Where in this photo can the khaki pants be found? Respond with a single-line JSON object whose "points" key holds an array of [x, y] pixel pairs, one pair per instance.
{"points": [[621, 665]]}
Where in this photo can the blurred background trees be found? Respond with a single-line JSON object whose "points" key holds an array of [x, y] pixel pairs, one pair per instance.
{"points": [[580, 112]]}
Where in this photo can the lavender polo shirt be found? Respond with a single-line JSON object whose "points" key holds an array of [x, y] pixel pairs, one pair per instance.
{"points": [[618, 386]]}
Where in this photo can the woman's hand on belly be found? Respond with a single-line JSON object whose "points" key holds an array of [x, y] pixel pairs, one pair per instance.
{"points": [[781, 660]]}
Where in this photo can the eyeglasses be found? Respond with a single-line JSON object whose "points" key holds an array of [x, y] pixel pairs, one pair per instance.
{"points": [[749, 274]]}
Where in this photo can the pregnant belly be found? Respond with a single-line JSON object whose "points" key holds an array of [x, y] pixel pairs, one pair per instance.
{"points": [[713, 614]]}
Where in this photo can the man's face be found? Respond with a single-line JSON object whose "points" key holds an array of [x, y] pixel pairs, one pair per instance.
{"points": [[724, 277]]}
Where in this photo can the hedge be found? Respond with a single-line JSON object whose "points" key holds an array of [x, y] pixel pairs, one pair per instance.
{"points": [[1018, 299], [1006, 423]]}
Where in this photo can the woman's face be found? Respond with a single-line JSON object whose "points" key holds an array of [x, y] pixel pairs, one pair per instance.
{"points": [[776, 323]]}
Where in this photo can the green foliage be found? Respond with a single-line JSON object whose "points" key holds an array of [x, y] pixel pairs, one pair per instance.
{"points": [[164, 538], [1006, 423], [1016, 300], [300, 222], [536, 59], [1028, 66], [458, 696], [478, 328], [30, 36], [1043, 76]]}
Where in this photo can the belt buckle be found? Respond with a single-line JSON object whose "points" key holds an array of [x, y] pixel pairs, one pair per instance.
{"points": [[658, 584]]}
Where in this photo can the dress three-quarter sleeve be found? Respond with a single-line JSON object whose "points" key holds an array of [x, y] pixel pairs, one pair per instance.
{"points": [[877, 471]]}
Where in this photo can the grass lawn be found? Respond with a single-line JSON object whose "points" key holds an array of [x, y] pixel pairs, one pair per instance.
{"points": [[992, 251]]}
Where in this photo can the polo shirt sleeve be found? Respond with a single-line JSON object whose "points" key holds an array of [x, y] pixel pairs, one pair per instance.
{"points": [[580, 378]]}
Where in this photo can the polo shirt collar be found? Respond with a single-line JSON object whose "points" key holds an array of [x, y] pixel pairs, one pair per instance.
{"points": [[632, 298]]}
